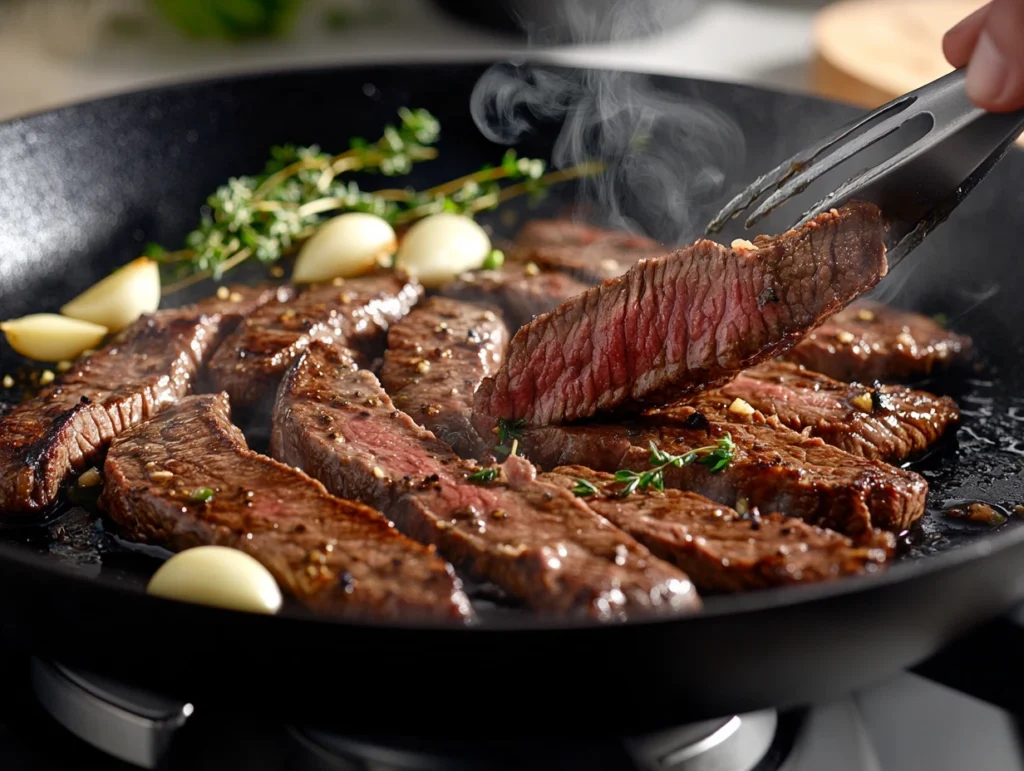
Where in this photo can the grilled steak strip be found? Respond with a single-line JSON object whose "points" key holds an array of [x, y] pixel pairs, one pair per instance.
{"points": [[436, 358], [152, 364], [520, 292], [537, 542], [333, 555], [587, 253], [869, 341], [773, 468], [682, 323], [355, 313], [890, 423], [720, 549]]}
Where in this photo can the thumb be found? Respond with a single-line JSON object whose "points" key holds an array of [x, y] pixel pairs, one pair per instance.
{"points": [[995, 73]]}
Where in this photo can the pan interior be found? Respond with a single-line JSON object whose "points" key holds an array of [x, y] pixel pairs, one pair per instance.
{"points": [[85, 187]]}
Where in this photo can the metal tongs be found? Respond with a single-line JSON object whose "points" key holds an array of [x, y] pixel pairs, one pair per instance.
{"points": [[918, 186]]}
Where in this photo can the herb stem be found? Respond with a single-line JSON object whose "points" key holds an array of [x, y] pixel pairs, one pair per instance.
{"points": [[233, 261]]}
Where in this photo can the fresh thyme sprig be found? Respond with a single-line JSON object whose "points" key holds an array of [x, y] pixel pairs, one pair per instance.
{"points": [[715, 457], [509, 433], [485, 475], [266, 216]]}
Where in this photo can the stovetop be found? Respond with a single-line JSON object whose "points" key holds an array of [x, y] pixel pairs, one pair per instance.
{"points": [[905, 723]]}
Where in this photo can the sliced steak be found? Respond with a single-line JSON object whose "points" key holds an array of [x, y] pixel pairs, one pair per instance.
{"points": [[590, 254], [355, 313], [520, 292], [333, 555], [152, 364], [682, 323], [537, 542], [720, 549], [436, 358], [773, 469], [870, 341], [890, 423]]}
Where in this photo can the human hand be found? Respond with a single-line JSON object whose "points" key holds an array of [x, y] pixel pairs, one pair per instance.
{"points": [[990, 43]]}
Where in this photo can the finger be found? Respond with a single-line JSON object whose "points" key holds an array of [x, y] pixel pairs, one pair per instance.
{"points": [[959, 42], [995, 73]]}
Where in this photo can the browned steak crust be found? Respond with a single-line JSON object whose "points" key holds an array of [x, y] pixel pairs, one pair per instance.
{"points": [[890, 423], [335, 556], [355, 313], [774, 469], [537, 542], [870, 341], [436, 358], [149, 366], [589, 254], [682, 323], [720, 549], [520, 292]]}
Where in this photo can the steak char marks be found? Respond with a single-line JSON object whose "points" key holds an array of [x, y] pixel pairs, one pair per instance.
{"points": [[720, 549], [355, 313], [521, 292], [538, 542], [869, 341], [587, 253], [333, 555], [890, 423], [149, 366], [436, 358], [773, 469], [682, 323]]}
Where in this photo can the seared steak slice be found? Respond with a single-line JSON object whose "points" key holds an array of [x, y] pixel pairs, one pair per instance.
{"points": [[355, 313], [870, 341], [436, 358], [537, 542], [888, 422], [588, 253], [773, 468], [520, 292], [720, 549], [682, 323], [333, 555], [152, 364]]}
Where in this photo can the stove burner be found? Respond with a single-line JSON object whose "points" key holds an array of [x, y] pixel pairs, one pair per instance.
{"points": [[139, 728]]}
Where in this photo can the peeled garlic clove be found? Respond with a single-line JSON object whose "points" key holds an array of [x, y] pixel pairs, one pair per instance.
{"points": [[119, 299], [440, 247], [345, 246], [219, 576], [52, 337]]}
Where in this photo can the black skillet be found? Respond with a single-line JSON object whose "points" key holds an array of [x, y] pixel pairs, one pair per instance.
{"points": [[81, 190]]}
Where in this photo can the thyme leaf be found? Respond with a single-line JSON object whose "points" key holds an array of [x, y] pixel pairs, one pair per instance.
{"points": [[715, 457], [584, 489], [485, 475]]}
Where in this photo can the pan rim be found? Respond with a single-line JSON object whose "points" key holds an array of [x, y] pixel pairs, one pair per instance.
{"points": [[33, 566]]}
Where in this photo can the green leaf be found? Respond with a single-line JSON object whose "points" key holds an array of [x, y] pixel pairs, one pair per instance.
{"points": [[584, 489], [153, 250], [485, 475], [202, 494], [626, 475], [494, 260], [510, 429]]}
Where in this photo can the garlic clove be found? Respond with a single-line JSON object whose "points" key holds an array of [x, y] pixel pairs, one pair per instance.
{"points": [[218, 576], [441, 246], [119, 299], [345, 246], [52, 337]]}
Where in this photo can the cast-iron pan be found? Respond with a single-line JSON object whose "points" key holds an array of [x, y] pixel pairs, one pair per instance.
{"points": [[82, 188]]}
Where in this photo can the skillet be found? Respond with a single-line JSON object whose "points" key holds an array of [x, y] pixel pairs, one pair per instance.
{"points": [[83, 187]]}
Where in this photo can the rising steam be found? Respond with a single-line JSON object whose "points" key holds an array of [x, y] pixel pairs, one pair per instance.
{"points": [[667, 154]]}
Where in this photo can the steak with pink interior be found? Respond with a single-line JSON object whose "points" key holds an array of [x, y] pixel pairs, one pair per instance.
{"points": [[186, 478], [149, 366], [869, 341], [355, 313], [536, 541], [682, 323], [887, 422], [436, 358], [719, 548]]}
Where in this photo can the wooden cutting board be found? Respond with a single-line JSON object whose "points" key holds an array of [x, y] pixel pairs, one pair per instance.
{"points": [[871, 51], [868, 52]]}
